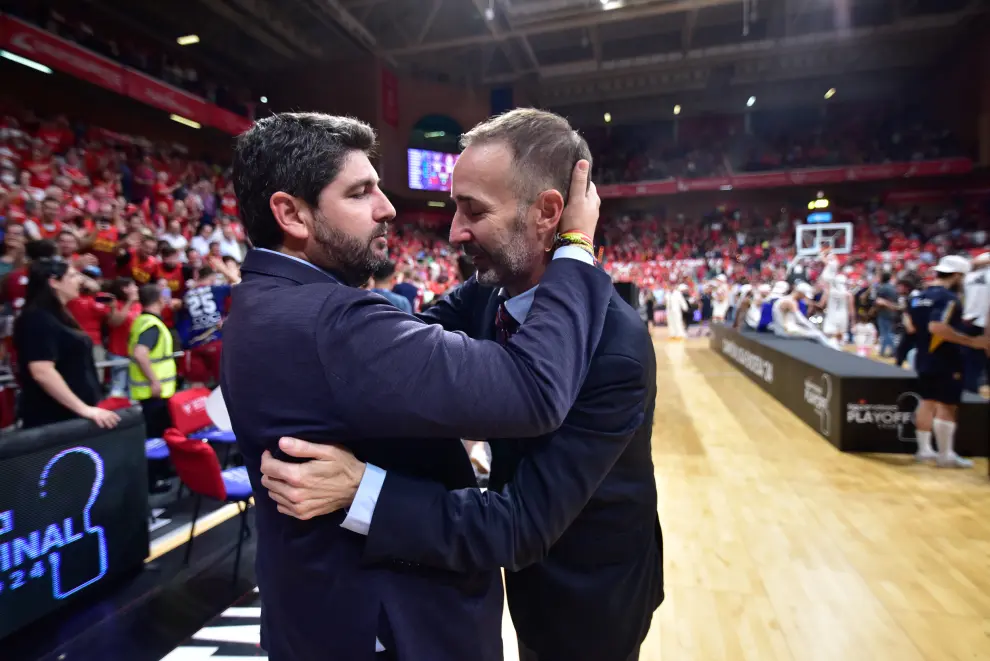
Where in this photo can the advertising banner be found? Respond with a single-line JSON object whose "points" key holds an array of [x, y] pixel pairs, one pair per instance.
{"points": [[161, 95], [41, 46], [802, 177], [861, 413], [73, 514]]}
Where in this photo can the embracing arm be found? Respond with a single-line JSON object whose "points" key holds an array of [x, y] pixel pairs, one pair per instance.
{"points": [[411, 379], [468, 530]]}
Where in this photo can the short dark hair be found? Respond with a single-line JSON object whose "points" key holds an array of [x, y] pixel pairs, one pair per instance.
{"points": [[384, 271], [204, 272], [885, 277], [544, 149], [298, 153], [149, 294], [40, 248]]}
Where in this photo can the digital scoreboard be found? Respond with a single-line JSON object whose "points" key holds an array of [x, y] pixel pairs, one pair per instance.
{"points": [[430, 170], [73, 514]]}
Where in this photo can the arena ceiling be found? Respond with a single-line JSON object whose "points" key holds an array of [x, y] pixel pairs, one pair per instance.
{"points": [[573, 52]]}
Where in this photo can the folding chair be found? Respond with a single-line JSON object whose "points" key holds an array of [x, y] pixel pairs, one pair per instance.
{"points": [[198, 468]]}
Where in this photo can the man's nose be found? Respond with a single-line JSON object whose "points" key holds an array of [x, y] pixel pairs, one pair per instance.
{"points": [[458, 232], [385, 211]]}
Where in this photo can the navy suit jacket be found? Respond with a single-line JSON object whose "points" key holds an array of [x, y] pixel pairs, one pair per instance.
{"points": [[306, 356], [572, 514]]}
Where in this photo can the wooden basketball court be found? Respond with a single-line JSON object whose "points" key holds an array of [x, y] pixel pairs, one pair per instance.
{"points": [[780, 548]]}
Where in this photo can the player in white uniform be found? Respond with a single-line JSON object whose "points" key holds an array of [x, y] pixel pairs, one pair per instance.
{"points": [[788, 320], [831, 268], [839, 309], [676, 307], [720, 299]]}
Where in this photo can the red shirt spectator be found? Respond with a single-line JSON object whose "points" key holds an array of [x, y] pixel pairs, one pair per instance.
{"points": [[90, 313], [120, 335]]}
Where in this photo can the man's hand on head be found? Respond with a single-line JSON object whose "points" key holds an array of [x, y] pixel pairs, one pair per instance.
{"points": [[581, 210], [321, 486]]}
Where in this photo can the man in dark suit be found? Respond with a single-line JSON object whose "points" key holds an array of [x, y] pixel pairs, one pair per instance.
{"points": [[572, 513], [308, 353]]}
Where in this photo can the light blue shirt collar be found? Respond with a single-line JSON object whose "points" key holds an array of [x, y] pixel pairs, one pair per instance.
{"points": [[518, 306], [293, 257]]}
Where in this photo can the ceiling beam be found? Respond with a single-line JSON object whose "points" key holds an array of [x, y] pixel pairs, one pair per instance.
{"points": [[596, 44], [250, 28], [497, 35], [598, 17], [687, 34], [428, 23], [355, 28]]}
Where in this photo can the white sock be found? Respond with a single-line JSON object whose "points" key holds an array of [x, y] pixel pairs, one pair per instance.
{"points": [[945, 432], [924, 442]]}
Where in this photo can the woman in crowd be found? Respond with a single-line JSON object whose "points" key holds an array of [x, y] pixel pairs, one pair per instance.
{"points": [[55, 356], [13, 249], [126, 308]]}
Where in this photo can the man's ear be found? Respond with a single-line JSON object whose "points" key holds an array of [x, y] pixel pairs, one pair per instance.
{"points": [[550, 205], [291, 215]]}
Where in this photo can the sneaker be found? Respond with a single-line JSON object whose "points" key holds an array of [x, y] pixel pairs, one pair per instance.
{"points": [[953, 461], [922, 457]]}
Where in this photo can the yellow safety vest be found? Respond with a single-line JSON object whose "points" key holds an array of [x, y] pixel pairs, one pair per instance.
{"points": [[162, 363]]}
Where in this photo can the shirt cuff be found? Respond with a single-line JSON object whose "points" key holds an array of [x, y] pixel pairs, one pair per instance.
{"points": [[573, 252], [362, 510]]}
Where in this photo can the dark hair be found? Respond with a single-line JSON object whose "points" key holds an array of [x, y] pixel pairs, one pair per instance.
{"points": [[885, 278], [166, 249], [385, 271], [117, 287], [204, 272], [149, 294], [41, 296], [544, 149], [298, 153], [39, 249]]}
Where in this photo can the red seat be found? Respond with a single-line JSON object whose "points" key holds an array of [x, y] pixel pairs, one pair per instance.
{"points": [[188, 409], [197, 466]]}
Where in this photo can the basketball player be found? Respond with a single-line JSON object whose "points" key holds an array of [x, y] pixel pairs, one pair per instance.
{"points": [[789, 320], [676, 307], [720, 299], [937, 319], [839, 309], [831, 265]]}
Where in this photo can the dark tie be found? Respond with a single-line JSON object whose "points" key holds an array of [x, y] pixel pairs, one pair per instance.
{"points": [[505, 325]]}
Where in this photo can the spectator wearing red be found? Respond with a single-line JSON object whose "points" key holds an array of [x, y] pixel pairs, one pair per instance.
{"points": [[91, 310], [141, 264], [49, 225], [126, 309]]}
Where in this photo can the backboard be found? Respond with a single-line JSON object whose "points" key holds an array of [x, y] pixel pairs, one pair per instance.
{"points": [[811, 238]]}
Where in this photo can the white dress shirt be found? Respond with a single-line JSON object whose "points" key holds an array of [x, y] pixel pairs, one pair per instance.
{"points": [[976, 297]]}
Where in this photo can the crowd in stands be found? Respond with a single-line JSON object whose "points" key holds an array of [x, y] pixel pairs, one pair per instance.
{"points": [[118, 42], [127, 213], [720, 146]]}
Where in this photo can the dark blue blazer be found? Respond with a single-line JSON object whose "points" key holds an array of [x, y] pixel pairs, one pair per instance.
{"points": [[309, 357], [572, 513]]}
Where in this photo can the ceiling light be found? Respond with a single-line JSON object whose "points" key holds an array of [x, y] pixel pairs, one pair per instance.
{"points": [[264, 99], [434, 134], [31, 64], [608, 117], [434, 203], [830, 93], [188, 40], [182, 120], [750, 102], [677, 109]]}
